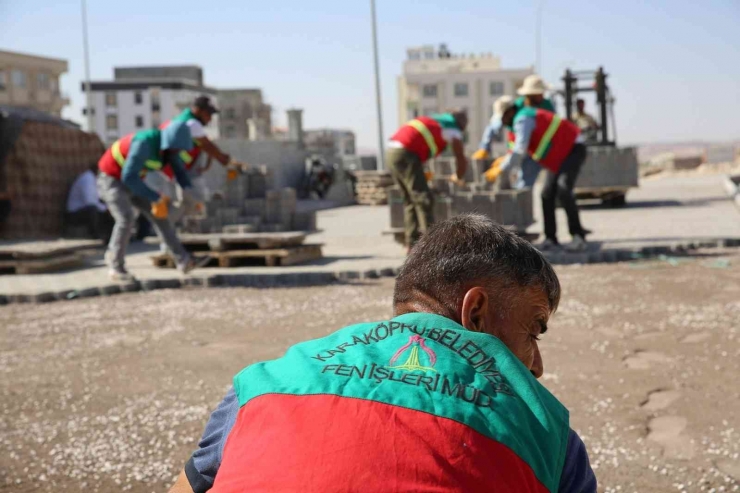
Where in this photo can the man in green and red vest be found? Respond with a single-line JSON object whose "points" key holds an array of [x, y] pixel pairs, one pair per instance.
{"points": [[556, 145], [419, 140], [532, 95], [121, 186], [442, 397], [195, 118]]}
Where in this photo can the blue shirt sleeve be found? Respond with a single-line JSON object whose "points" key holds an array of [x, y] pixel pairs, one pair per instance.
{"points": [[203, 465], [493, 129], [178, 167], [577, 476], [131, 173]]}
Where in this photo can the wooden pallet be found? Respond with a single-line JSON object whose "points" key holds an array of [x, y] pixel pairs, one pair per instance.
{"points": [[39, 266], [218, 242], [44, 250], [271, 257]]}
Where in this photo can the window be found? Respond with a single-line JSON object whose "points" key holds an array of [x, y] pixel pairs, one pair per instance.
{"points": [[19, 78], [111, 122], [111, 99], [461, 89], [139, 121], [429, 90], [230, 131], [42, 81], [230, 113], [138, 98], [497, 88], [429, 111], [3, 81], [53, 85]]}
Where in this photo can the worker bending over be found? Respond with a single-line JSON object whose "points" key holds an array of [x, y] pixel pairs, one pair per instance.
{"points": [[554, 144], [531, 95], [121, 187], [195, 118], [419, 140]]}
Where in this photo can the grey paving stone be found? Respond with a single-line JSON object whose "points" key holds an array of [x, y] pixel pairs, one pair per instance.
{"points": [[45, 297], [370, 274], [130, 287], [387, 272], [169, 283], [3, 299], [149, 284], [110, 289]]}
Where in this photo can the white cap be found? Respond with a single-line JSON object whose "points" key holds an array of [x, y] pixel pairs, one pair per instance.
{"points": [[533, 85], [501, 105]]}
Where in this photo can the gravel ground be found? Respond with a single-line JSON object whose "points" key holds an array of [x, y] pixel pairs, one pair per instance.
{"points": [[111, 394]]}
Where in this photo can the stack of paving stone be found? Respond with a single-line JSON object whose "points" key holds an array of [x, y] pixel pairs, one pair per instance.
{"points": [[372, 187], [609, 167], [248, 206]]}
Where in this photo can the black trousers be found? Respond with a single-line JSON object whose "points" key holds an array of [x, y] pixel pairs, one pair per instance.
{"points": [[560, 186]]}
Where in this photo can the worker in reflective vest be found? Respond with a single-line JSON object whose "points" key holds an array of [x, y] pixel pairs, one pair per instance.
{"points": [[121, 186], [195, 118], [443, 397], [532, 95], [555, 144], [417, 141]]}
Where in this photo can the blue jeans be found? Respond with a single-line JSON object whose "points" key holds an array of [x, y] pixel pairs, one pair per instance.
{"points": [[527, 174]]}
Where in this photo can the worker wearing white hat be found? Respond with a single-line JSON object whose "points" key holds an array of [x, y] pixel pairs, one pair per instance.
{"points": [[531, 94], [554, 144]]}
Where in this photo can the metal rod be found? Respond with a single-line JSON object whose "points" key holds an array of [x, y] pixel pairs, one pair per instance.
{"points": [[538, 39], [381, 146], [89, 108]]}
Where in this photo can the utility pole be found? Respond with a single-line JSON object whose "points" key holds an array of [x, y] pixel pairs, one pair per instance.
{"points": [[89, 109], [538, 39], [381, 146]]}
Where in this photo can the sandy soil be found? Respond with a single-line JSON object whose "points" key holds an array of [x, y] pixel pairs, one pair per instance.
{"points": [[111, 394]]}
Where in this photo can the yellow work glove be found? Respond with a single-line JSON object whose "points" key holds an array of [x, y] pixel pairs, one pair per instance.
{"points": [[160, 208], [429, 175], [199, 207], [494, 171], [480, 154], [231, 173]]}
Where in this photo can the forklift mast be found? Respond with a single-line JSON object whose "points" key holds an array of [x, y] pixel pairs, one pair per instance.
{"points": [[572, 88]]}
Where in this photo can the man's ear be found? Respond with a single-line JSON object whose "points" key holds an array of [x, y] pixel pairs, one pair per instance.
{"points": [[474, 309]]}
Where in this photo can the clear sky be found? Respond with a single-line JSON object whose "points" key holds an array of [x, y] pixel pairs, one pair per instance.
{"points": [[674, 65]]}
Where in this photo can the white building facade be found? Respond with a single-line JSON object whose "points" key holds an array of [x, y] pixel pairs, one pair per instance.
{"points": [[435, 81], [124, 105]]}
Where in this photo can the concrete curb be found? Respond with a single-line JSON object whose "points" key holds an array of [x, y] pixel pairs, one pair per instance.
{"points": [[307, 279]]}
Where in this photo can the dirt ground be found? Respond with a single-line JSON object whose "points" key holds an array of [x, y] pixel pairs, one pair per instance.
{"points": [[111, 394]]}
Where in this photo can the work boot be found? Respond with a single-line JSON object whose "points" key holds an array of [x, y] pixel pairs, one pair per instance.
{"points": [[120, 275], [193, 263], [549, 245], [578, 244]]}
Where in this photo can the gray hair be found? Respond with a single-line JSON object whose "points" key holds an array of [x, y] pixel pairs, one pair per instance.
{"points": [[468, 250]]}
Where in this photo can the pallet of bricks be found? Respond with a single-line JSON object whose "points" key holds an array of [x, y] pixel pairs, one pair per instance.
{"points": [[511, 208], [37, 257], [249, 224], [372, 187]]}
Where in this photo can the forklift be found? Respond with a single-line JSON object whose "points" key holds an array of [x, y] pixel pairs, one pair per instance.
{"points": [[609, 171]]}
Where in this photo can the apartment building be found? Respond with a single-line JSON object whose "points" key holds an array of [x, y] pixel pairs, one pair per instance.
{"points": [[330, 142], [435, 80], [244, 114], [32, 81], [144, 97]]}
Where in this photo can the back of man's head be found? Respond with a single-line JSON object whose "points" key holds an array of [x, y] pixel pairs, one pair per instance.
{"points": [[467, 251]]}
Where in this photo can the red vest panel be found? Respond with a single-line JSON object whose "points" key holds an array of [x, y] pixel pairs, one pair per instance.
{"points": [[108, 163], [561, 142], [413, 140]]}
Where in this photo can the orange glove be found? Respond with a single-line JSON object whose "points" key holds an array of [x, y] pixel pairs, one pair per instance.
{"points": [[480, 154], [429, 175], [231, 174], [495, 170], [199, 207], [160, 208]]}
